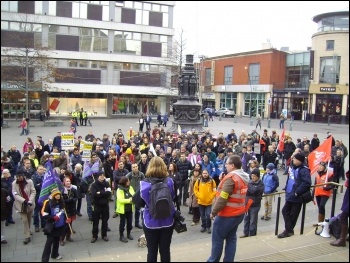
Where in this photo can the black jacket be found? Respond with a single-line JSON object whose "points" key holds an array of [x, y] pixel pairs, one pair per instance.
{"points": [[255, 192], [70, 200], [183, 168], [101, 198]]}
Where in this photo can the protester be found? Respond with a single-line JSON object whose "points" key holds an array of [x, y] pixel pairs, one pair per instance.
{"points": [[271, 182], [298, 182], [228, 211], [5, 200], [255, 192], [158, 232], [24, 193], [100, 194], [6, 183], [125, 208], [53, 212]]}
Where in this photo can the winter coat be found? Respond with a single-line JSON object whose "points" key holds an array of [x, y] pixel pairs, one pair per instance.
{"points": [[205, 191], [255, 192], [271, 182], [19, 200]]}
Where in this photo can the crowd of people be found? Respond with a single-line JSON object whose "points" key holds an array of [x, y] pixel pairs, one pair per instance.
{"points": [[217, 177]]}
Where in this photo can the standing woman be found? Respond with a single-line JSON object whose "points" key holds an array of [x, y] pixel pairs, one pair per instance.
{"points": [[158, 232], [193, 201], [53, 211], [70, 200], [27, 144], [323, 192], [125, 208]]}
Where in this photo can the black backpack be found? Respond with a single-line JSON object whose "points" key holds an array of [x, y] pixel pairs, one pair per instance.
{"points": [[161, 203]]}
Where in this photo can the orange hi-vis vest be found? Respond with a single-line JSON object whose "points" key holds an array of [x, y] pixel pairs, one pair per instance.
{"points": [[236, 201], [319, 190]]}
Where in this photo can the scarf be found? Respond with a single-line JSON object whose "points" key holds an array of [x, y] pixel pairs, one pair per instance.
{"points": [[21, 188]]}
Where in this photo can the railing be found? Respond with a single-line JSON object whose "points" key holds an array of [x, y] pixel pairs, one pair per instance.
{"points": [[335, 189]]}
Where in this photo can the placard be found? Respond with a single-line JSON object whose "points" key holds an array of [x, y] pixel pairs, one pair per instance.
{"points": [[87, 148], [67, 141]]}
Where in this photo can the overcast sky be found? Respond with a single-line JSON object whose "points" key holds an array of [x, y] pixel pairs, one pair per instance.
{"points": [[219, 28]]}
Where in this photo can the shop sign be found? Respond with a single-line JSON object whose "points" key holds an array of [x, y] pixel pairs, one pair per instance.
{"points": [[327, 89]]}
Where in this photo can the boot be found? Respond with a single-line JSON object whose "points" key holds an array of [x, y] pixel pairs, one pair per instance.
{"points": [[320, 218], [341, 241]]}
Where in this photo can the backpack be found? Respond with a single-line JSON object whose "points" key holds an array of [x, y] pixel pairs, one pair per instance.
{"points": [[335, 226], [161, 203]]}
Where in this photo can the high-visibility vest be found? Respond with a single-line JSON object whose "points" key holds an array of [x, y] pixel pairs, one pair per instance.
{"points": [[235, 205], [319, 190], [84, 115], [74, 114]]}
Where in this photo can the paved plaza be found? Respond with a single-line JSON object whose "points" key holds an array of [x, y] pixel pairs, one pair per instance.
{"points": [[191, 246]]}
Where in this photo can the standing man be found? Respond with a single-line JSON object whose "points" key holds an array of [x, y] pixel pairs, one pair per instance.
{"points": [[229, 210], [183, 166], [298, 182], [81, 118], [135, 177], [100, 195], [57, 141], [24, 193], [38, 182]]}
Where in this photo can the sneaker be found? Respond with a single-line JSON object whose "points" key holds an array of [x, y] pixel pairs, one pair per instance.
{"points": [[203, 230], [193, 223], [58, 257], [93, 240], [209, 231], [37, 229], [123, 239], [285, 233]]}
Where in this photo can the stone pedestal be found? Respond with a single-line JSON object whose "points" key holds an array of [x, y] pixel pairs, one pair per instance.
{"points": [[187, 110]]}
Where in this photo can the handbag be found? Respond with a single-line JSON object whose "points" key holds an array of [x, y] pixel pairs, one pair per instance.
{"points": [[48, 227], [306, 197]]}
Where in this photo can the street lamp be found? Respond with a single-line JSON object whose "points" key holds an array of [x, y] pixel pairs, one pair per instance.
{"points": [[250, 96], [302, 110], [202, 57]]}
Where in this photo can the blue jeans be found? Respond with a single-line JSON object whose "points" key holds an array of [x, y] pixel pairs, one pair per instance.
{"points": [[251, 221], [205, 211], [88, 205], [224, 228]]}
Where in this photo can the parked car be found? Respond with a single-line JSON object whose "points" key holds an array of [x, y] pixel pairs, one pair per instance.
{"points": [[225, 112]]}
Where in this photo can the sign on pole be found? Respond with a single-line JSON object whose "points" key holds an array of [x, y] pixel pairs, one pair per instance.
{"points": [[87, 148], [67, 141]]}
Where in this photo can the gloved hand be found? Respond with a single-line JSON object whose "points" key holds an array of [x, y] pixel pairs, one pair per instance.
{"points": [[30, 203], [68, 220], [108, 189], [25, 202], [56, 218], [8, 198]]}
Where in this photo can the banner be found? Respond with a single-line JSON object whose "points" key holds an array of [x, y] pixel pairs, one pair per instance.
{"points": [[321, 154], [54, 104], [51, 180], [67, 141], [281, 142], [56, 155], [87, 148], [90, 170]]}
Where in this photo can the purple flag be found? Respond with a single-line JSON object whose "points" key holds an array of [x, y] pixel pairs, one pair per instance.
{"points": [[51, 181], [89, 170]]}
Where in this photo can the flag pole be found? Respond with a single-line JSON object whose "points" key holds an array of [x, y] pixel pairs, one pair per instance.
{"points": [[70, 227]]}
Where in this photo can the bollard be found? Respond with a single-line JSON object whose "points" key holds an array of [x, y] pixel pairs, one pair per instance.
{"points": [[220, 117], [234, 119], [241, 115], [202, 120], [329, 120], [251, 121], [291, 125], [268, 123]]}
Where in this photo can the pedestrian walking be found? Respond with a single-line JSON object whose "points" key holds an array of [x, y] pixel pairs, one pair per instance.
{"points": [[258, 121]]}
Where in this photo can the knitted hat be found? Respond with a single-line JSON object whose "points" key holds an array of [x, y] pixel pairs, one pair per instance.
{"points": [[300, 157], [270, 166], [256, 172], [128, 151], [55, 192]]}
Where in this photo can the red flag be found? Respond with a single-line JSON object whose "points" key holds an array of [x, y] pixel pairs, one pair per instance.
{"points": [[321, 154], [281, 142], [54, 104]]}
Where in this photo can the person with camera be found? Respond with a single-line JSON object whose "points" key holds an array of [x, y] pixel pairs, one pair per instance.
{"points": [[23, 191], [229, 209], [158, 232]]}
